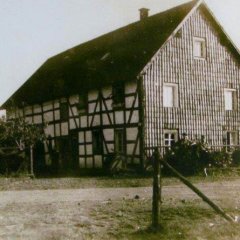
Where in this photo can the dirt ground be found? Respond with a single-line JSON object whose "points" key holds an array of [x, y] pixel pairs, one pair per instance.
{"points": [[115, 213]]}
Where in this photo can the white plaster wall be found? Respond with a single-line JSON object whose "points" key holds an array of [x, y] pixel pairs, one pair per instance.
{"points": [[119, 117], [81, 150], [132, 133], [48, 116], [72, 123], [57, 114], [96, 120], [108, 134], [83, 120], [88, 136], [107, 92], [37, 119], [37, 109], [135, 116], [92, 95], [56, 104], [81, 137], [47, 106], [91, 107], [110, 148], [130, 148], [49, 130], [108, 104], [105, 119], [57, 129], [73, 99], [129, 101], [64, 129], [130, 87]]}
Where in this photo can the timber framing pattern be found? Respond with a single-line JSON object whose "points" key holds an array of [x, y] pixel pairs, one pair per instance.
{"points": [[178, 70]]}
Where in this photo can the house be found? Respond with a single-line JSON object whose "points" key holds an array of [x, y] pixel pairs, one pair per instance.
{"points": [[141, 86]]}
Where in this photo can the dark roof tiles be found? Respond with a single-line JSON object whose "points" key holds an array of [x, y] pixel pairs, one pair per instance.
{"points": [[117, 56]]}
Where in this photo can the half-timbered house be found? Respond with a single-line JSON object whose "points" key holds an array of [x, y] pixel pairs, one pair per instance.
{"points": [[141, 86]]}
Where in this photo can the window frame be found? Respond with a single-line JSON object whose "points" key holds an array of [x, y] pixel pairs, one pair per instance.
{"points": [[231, 140], [172, 141], [175, 94], [64, 111], [203, 46], [82, 106], [118, 94], [234, 99]]}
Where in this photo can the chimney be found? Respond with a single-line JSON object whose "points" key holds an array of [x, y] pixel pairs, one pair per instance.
{"points": [[143, 13]]}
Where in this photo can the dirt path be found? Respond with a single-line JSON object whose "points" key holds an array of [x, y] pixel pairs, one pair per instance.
{"points": [[213, 190], [73, 213]]}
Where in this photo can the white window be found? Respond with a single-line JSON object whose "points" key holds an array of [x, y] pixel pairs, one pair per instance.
{"points": [[170, 95], [230, 99], [170, 137], [232, 138], [199, 47]]}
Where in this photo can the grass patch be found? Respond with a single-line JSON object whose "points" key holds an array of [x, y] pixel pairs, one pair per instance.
{"points": [[131, 219]]}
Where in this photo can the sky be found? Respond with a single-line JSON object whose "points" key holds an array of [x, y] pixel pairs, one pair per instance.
{"points": [[34, 30]]}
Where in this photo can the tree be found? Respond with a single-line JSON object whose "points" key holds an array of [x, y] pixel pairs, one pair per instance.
{"points": [[20, 134]]}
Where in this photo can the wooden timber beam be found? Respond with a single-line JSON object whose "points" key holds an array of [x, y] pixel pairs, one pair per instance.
{"points": [[198, 192]]}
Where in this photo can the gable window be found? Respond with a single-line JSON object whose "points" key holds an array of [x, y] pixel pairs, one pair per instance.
{"points": [[230, 99], [118, 94], [64, 112], [82, 104], [97, 142], [170, 137], [170, 95], [119, 141], [199, 48]]}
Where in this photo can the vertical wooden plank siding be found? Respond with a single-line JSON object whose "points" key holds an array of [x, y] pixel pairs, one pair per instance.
{"points": [[201, 84]]}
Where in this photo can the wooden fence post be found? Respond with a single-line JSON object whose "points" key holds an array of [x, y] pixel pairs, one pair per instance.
{"points": [[198, 192], [156, 189], [31, 161]]}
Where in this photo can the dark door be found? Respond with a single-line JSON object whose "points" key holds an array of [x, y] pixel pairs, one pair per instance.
{"points": [[74, 150], [65, 152], [39, 157], [68, 152]]}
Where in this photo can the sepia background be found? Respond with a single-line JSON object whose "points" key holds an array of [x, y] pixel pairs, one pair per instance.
{"points": [[34, 30]]}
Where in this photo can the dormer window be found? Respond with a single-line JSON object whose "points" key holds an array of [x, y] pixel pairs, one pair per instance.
{"points": [[199, 48]]}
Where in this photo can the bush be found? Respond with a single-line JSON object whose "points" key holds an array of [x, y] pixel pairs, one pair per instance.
{"points": [[188, 157], [220, 159], [236, 157]]}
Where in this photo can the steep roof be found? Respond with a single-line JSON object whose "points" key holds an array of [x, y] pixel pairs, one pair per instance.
{"points": [[117, 56]]}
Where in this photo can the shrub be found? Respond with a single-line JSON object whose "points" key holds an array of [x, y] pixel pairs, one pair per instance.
{"points": [[236, 157], [220, 158], [188, 157]]}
